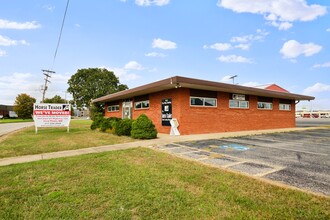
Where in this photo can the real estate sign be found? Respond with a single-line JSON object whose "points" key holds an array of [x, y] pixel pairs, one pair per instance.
{"points": [[51, 115]]}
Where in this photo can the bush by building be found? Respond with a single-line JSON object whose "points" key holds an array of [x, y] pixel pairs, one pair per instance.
{"points": [[97, 121], [109, 124], [143, 128], [123, 127]]}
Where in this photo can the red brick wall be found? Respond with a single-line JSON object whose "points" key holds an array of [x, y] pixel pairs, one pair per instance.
{"points": [[198, 120]]}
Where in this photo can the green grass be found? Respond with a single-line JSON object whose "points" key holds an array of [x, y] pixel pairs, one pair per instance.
{"points": [[144, 184], [4, 121], [27, 142]]}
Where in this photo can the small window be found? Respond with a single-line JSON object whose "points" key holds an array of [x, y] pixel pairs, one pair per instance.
{"points": [[201, 101], [238, 104], [142, 104], [113, 108], [285, 107], [265, 105]]}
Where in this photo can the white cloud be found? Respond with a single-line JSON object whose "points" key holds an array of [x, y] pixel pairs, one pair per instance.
{"points": [[123, 74], [250, 84], [17, 83], [328, 29], [234, 59], [152, 2], [5, 41], [317, 88], [155, 54], [2, 53], [260, 35], [279, 13], [292, 49], [219, 46], [323, 65], [5, 24], [49, 7], [243, 46], [133, 65], [163, 44], [227, 79]]}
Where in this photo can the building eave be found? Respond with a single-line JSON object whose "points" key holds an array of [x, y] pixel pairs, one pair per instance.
{"points": [[184, 82]]}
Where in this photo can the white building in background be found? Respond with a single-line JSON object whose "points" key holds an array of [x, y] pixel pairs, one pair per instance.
{"points": [[313, 114]]}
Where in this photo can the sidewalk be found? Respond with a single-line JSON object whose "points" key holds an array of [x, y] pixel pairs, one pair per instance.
{"points": [[161, 140]]}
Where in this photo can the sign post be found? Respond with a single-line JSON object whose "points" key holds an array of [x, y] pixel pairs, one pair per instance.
{"points": [[51, 115]]}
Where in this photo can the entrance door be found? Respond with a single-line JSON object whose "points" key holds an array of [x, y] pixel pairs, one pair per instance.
{"points": [[127, 110]]}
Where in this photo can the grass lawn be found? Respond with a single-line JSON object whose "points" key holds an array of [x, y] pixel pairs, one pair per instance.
{"points": [[26, 142], [3, 121], [144, 184]]}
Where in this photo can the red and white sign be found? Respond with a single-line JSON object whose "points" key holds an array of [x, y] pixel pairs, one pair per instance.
{"points": [[51, 115]]}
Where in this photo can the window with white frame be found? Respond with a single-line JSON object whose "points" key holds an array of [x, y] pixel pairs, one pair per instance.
{"points": [[113, 108], [238, 101], [238, 104], [285, 107], [265, 105], [203, 101], [142, 104]]}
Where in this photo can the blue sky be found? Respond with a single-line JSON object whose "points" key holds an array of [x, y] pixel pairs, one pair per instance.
{"points": [[286, 42]]}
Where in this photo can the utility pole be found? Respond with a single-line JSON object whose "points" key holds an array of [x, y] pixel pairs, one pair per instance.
{"points": [[47, 74], [233, 78]]}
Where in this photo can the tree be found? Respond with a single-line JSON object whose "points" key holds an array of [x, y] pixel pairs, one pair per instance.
{"points": [[92, 83], [55, 99], [24, 106]]}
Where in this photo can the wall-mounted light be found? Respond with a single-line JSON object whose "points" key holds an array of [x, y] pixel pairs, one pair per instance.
{"points": [[177, 85]]}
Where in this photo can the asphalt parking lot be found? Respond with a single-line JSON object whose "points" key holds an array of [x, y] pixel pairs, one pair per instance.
{"points": [[300, 158]]}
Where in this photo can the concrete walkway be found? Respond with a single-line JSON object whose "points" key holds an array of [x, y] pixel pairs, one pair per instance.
{"points": [[161, 140]]}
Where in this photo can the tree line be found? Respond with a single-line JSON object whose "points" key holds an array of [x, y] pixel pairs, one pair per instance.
{"points": [[85, 85]]}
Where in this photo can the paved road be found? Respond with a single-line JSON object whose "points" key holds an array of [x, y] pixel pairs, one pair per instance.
{"points": [[299, 158], [10, 127], [312, 122]]}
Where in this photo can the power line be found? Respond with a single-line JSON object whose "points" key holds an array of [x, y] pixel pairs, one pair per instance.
{"points": [[60, 36], [48, 73]]}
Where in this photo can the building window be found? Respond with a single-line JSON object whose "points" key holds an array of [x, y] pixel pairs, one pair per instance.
{"points": [[238, 104], [285, 107], [203, 101], [142, 104], [238, 101], [113, 108], [265, 105]]}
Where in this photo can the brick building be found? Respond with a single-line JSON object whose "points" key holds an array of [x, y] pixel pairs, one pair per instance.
{"points": [[202, 106]]}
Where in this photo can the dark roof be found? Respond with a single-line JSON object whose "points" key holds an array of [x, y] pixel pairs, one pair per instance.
{"points": [[184, 82]]}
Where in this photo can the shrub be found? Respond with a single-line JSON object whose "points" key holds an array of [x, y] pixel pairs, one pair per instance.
{"points": [[143, 128], [98, 120], [108, 123], [96, 110], [123, 127]]}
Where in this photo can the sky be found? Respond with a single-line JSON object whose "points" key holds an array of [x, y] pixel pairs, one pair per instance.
{"points": [[286, 42]]}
